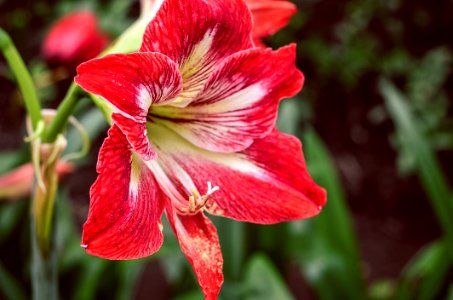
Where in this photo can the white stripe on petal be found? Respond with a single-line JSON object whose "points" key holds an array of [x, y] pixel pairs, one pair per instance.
{"points": [[144, 98], [195, 70], [246, 97], [135, 178]]}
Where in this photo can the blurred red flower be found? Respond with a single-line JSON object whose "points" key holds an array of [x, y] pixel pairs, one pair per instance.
{"points": [[19, 182], [269, 16], [73, 39]]}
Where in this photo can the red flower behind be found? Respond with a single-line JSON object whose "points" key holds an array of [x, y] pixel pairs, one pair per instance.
{"points": [[19, 182], [197, 105], [73, 39], [269, 16]]}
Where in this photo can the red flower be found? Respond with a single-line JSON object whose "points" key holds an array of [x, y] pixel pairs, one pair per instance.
{"points": [[19, 182], [197, 105], [74, 39], [269, 16]]}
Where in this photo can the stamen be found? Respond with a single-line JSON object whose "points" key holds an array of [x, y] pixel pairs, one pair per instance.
{"points": [[211, 189], [197, 202]]}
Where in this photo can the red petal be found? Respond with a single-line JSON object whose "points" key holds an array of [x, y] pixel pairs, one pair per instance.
{"points": [[197, 34], [266, 183], [73, 39], [125, 208], [131, 83], [269, 16], [239, 102], [136, 134], [282, 191], [198, 239]]}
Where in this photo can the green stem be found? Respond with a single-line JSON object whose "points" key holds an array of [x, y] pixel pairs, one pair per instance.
{"points": [[43, 267], [64, 111], [23, 77]]}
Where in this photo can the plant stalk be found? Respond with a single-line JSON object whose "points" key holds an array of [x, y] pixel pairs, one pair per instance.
{"points": [[23, 78], [64, 111]]}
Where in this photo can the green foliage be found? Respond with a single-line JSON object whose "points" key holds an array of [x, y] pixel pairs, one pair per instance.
{"points": [[263, 280], [10, 288], [425, 274], [332, 259], [428, 167]]}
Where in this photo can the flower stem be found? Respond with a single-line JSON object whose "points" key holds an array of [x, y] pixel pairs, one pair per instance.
{"points": [[43, 221], [64, 111], [23, 77], [43, 267]]}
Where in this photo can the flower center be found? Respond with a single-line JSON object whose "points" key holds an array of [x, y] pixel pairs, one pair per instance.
{"points": [[197, 202]]}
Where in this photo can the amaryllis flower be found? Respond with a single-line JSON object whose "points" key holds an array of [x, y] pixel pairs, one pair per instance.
{"points": [[193, 132], [73, 39], [269, 16]]}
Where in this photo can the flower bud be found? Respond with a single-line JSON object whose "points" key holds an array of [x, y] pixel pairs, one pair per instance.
{"points": [[73, 39], [19, 182]]}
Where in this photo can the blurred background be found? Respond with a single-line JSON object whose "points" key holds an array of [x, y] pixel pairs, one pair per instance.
{"points": [[376, 121]]}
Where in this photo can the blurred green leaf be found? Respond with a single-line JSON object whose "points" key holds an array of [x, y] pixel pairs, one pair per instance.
{"points": [[425, 274], [233, 239], [428, 76], [128, 273], [262, 280], [192, 295], [381, 289], [67, 236], [10, 288], [428, 168], [450, 292], [91, 274], [10, 215], [328, 251], [11, 159]]}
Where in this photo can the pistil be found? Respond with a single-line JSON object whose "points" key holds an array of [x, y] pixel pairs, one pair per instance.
{"points": [[197, 202]]}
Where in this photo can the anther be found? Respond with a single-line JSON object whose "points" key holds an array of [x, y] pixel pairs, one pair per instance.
{"points": [[197, 201]]}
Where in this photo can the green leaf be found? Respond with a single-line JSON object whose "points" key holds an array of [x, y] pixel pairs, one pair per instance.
{"points": [[9, 286], [10, 160], [263, 282], [10, 216], [129, 272], [192, 295], [90, 276], [450, 292], [232, 235], [425, 274], [428, 168], [327, 250]]}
